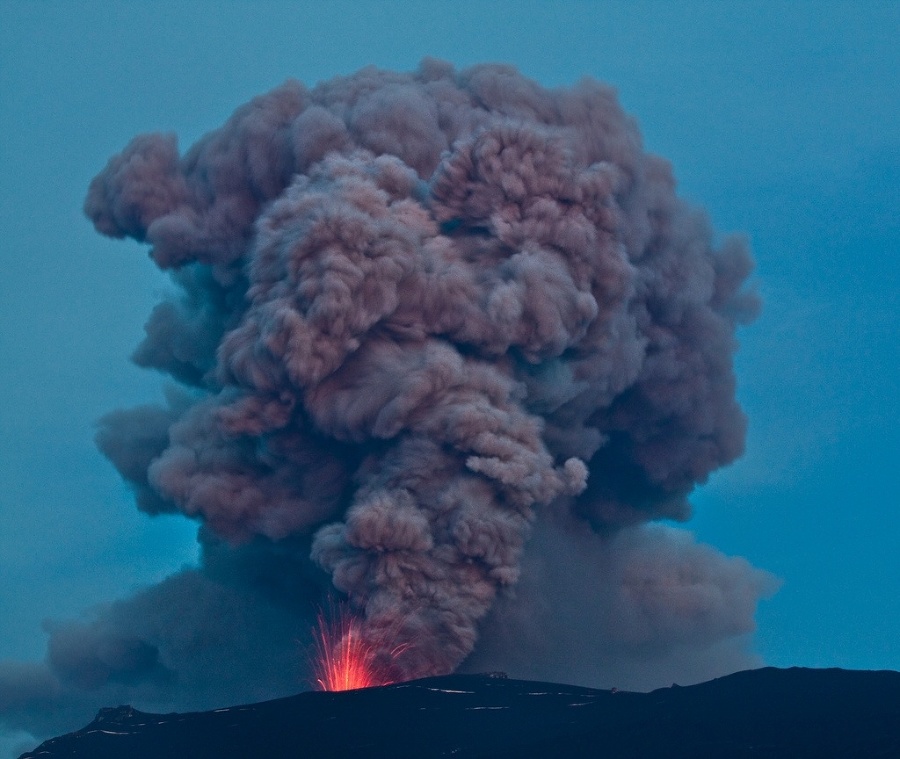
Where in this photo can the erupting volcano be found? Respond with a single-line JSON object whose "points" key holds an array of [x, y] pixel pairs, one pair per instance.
{"points": [[440, 344]]}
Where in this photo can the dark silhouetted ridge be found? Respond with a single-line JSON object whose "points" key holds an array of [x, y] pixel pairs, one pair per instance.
{"points": [[759, 713]]}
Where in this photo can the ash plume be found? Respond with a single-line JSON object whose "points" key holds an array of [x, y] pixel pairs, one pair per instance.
{"points": [[419, 314]]}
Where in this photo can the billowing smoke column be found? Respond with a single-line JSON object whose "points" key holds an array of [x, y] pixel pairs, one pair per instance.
{"points": [[422, 316], [418, 309]]}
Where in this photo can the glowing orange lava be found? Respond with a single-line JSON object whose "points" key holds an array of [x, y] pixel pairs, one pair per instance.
{"points": [[344, 659]]}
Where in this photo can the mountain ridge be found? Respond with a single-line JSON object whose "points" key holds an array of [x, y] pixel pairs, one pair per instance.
{"points": [[767, 712]]}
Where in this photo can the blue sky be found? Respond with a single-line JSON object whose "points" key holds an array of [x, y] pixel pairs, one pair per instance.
{"points": [[783, 120]]}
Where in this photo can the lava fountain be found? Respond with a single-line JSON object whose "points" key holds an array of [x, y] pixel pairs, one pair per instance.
{"points": [[344, 659]]}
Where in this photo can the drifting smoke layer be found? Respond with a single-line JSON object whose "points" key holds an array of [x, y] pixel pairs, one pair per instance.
{"points": [[416, 311], [639, 609]]}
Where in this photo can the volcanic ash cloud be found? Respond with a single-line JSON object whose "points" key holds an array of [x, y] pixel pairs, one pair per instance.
{"points": [[419, 313]]}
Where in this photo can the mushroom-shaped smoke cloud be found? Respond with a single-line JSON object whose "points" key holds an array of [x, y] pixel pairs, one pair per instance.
{"points": [[418, 309]]}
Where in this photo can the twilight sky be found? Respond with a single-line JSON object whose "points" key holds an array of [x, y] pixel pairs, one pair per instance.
{"points": [[782, 120]]}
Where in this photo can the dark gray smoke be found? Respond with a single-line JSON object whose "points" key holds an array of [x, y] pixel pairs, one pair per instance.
{"points": [[638, 608], [419, 314]]}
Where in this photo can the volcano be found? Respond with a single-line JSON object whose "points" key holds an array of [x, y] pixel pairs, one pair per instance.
{"points": [[757, 713]]}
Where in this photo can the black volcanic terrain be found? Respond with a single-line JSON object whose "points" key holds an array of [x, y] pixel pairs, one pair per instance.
{"points": [[760, 713]]}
